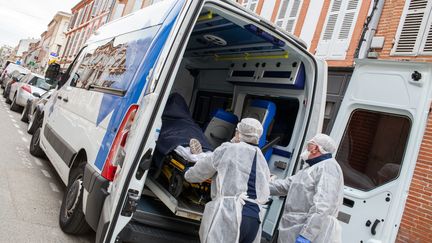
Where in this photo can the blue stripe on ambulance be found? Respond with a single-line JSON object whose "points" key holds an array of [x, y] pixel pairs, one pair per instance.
{"points": [[119, 105]]}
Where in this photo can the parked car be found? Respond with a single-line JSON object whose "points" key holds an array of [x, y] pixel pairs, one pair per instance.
{"points": [[33, 111], [9, 69], [32, 83], [101, 127], [13, 76]]}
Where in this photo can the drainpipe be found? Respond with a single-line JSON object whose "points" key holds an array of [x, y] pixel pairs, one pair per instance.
{"points": [[369, 30]]}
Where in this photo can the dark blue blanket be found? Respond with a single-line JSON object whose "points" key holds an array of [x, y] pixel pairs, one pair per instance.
{"points": [[178, 127]]}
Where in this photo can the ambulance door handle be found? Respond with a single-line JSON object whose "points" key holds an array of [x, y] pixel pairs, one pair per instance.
{"points": [[375, 224]]}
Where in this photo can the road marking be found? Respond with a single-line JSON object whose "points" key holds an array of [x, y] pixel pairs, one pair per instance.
{"points": [[11, 116], [24, 139], [46, 173], [20, 132], [38, 162], [26, 162], [13, 120], [8, 112], [54, 188], [16, 125]]}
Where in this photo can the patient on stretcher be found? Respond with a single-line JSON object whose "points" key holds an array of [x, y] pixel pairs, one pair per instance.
{"points": [[180, 144]]}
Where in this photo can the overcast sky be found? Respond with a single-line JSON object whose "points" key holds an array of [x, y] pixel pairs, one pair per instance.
{"points": [[20, 19]]}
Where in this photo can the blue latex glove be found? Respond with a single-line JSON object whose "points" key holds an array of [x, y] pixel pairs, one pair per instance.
{"points": [[301, 239]]}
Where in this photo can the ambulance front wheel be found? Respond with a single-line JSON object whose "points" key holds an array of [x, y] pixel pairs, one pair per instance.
{"points": [[72, 218]]}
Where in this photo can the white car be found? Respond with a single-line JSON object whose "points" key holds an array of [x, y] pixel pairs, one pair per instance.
{"points": [[22, 91]]}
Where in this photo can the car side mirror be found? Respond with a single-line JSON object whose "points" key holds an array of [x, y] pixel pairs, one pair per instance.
{"points": [[36, 94]]}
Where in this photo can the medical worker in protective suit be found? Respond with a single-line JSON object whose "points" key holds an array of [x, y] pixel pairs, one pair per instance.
{"points": [[240, 186], [314, 195]]}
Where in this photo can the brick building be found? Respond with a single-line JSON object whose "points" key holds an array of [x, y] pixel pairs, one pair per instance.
{"points": [[87, 16], [124, 7]]}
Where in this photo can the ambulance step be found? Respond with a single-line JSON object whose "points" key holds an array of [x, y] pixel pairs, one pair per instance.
{"points": [[136, 232], [178, 207]]}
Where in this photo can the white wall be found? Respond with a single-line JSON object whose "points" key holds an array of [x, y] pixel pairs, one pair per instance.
{"points": [[311, 21], [267, 9]]}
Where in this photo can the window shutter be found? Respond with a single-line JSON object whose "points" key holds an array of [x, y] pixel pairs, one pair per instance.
{"points": [[339, 26], [293, 15], [409, 32], [341, 45], [250, 4], [427, 46], [324, 44], [282, 13], [288, 14]]}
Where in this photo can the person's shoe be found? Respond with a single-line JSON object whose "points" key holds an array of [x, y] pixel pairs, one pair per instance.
{"points": [[195, 146]]}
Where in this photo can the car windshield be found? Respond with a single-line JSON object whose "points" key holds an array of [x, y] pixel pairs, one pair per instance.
{"points": [[41, 83]]}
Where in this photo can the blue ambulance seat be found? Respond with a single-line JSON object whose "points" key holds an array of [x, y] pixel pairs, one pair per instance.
{"points": [[264, 111], [221, 127]]}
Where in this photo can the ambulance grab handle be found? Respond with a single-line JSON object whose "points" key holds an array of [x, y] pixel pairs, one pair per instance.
{"points": [[375, 224]]}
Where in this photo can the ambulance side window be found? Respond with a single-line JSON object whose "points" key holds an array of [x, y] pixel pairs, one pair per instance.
{"points": [[372, 148]]}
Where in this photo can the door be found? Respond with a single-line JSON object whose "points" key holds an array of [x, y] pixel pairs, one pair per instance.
{"points": [[129, 180], [378, 130], [313, 122]]}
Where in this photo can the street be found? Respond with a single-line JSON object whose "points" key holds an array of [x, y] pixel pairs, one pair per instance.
{"points": [[31, 192]]}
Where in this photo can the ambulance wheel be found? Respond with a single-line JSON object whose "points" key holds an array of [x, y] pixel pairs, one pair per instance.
{"points": [[35, 148], [72, 218], [176, 185]]}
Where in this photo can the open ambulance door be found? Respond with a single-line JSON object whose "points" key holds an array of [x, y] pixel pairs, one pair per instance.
{"points": [[126, 188], [379, 129]]}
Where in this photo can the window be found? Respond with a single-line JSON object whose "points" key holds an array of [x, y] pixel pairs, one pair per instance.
{"points": [[414, 35], [288, 14], [250, 4], [337, 31], [372, 148], [137, 5], [96, 5], [112, 64], [119, 11]]}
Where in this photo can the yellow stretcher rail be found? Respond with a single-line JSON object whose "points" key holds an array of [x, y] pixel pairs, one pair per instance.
{"points": [[247, 56]]}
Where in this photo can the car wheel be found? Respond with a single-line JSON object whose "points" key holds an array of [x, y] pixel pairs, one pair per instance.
{"points": [[24, 113], [35, 148], [14, 106], [35, 122], [72, 219]]}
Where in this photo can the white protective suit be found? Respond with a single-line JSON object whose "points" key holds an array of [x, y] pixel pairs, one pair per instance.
{"points": [[314, 195], [229, 167]]}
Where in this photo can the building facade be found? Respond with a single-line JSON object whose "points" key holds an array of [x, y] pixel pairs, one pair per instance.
{"points": [[51, 44], [125, 7], [22, 47], [87, 16]]}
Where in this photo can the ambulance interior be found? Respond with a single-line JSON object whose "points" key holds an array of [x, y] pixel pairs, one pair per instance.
{"points": [[230, 70]]}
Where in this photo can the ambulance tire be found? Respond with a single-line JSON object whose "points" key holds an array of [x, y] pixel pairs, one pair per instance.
{"points": [[72, 218], [35, 148]]}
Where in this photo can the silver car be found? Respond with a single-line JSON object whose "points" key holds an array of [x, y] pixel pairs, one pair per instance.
{"points": [[31, 84]]}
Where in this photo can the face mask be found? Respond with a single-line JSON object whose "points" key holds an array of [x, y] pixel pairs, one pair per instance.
{"points": [[305, 155]]}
